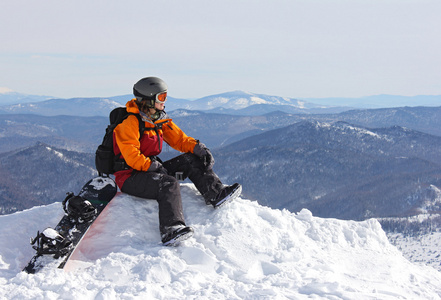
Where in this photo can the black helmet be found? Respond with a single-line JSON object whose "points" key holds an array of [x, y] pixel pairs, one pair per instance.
{"points": [[148, 87]]}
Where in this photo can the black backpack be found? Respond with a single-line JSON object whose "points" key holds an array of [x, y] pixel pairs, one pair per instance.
{"points": [[106, 161]]}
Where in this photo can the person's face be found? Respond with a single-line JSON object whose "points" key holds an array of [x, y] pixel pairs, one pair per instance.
{"points": [[160, 101], [160, 105]]}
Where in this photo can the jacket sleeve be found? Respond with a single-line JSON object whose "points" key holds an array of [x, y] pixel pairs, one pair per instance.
{"points": [[177, 139], [127, 139]]}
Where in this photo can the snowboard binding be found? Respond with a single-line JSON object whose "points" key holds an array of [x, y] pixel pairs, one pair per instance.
{"points": [[67, 234], [78, 208], [51, 242]]}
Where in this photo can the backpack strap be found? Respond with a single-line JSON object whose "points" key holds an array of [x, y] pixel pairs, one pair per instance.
{"points": [[119, 163], [141, 124]]}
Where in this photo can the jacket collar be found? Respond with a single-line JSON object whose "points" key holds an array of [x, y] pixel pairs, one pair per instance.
{"points": [[132, 107]]}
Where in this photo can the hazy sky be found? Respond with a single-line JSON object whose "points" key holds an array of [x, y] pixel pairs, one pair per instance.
{"points": [[290, 48]]}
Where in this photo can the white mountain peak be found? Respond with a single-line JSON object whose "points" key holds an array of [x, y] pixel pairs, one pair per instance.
{"points": [[5, 90]]}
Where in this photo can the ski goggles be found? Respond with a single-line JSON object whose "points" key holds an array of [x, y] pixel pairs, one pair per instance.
{"points": [[161, 97]]}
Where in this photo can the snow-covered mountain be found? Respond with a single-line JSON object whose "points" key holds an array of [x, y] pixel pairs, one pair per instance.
{"points": [[81, 134], [242, 251], [325, 167], [223, 103], [380, 101], [8, 97], [426, 119], [234, 102], [337, 169], [71, 107], [239, 99], [417, 237], [41, 174]]}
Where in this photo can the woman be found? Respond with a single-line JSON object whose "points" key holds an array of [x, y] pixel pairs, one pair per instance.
{"points": [[148, 177]]}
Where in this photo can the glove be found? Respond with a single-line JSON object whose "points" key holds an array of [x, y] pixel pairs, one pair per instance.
{"points": [[157, 167], [204, 153]]}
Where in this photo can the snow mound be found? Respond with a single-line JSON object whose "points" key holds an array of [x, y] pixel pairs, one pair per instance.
{"points": [[241, 251]]}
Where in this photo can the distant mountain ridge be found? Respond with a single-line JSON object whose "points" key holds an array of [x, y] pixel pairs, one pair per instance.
{"points": [[380, 101], [229, 102], [10, 97], [338, 170], [239, 99], [41, 174], [83, 134], [70, 107], [426, 119], [335, 170], [234, 102]]}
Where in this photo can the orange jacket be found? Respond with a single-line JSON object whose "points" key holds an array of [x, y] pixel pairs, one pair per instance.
{"points": [[136, 151]]}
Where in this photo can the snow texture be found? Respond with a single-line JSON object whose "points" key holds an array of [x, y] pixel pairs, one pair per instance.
{"points": [[241, 251], [99, 183], [50, 233]]}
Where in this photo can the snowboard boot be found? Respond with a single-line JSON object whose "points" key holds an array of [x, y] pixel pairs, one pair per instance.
{"points": [[227, 194], [173, 235], [51, 242], [79, 208]]}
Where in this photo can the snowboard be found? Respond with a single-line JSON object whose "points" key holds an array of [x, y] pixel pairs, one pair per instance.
{"points": [[98, 191]]}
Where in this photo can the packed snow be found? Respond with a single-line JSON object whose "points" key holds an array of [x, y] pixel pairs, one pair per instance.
{"points": [[240, 251]]}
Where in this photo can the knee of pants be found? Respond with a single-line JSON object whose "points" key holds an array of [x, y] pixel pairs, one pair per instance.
{"points": [[194, 160], [169, 183], [184, 162]]}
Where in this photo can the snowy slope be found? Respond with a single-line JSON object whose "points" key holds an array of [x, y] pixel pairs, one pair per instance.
{"points": [[242, 251], [423, 248]]}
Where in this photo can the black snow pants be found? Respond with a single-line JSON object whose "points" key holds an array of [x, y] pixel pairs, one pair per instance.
{"points": [[163, 187]]}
